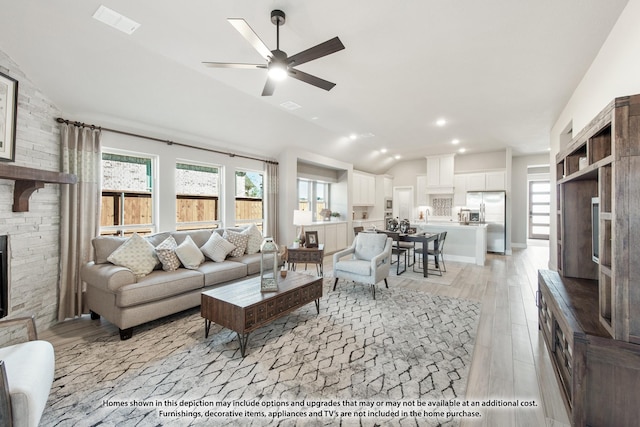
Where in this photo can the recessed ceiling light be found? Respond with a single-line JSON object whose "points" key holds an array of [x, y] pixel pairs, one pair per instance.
{"points": [[462, 150], [290, 105], [383, 150], [455, 141], [115, 20], [397, 156], [441, 122], [353, 136]]}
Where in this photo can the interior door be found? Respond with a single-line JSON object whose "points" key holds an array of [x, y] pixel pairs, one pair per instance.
{"points": [[403, 202], [539, 209]]}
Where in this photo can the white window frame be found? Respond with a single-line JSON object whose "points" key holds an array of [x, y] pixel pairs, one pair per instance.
{"points": [[204, 224], [153, 226]]}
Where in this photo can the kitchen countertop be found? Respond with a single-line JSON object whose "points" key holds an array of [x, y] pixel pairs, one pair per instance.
{"points": [[444, 224]]}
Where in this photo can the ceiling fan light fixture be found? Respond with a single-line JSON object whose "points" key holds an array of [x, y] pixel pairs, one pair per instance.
{"points": [[277, 72]]}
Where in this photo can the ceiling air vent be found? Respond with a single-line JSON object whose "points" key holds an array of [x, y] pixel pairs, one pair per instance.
{"points": [[115, 20]]}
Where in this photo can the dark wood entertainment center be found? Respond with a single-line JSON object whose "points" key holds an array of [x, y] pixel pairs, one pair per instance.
{"points": [[589, 310]]}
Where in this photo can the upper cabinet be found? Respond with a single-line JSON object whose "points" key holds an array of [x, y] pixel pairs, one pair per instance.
{"points": [[440, 174], [364, 189], [485, 181], [387, 182]]}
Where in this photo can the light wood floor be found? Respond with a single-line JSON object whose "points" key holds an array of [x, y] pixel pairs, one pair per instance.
{"points": [[509, 361]]}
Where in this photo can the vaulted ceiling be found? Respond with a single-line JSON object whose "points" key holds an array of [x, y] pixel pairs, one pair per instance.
{"points": [[498, 71]]}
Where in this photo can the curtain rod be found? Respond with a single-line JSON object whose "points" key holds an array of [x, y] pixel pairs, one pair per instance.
{"points": [[166, 141]]}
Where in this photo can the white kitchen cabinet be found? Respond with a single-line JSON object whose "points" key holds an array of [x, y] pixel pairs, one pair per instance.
{"points": [[330, 238], [440, 171], [475, 181], [485, 181], [332, 235], [459, 190], [495, 181], [388, 186], [341, 236], [422, 198], [364, 189]]}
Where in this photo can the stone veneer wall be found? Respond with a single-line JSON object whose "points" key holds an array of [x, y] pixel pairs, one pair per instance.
{"points": [[33, 235]]}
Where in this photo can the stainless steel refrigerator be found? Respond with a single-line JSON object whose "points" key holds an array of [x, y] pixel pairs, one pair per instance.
{"points": [[492, 209]]}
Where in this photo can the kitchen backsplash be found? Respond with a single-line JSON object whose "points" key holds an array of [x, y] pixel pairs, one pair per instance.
{"points": [[442, 206]]}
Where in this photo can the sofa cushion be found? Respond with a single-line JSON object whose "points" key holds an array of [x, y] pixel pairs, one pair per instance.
{"points": [[189, 254], [166, 252], [159, 285], [217, 248], [238, 240], [136, 254], [254, 239], [220, 272], [103, 246], [199, 237], [253, 261]]}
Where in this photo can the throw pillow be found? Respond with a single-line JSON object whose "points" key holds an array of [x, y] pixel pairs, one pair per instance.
{"points": [[238, 240], [217, 248], [136, 254], [166, 252], [255, 239], [189, 254]]}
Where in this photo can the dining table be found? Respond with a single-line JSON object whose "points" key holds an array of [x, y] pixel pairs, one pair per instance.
{"points": [[423, 238]]}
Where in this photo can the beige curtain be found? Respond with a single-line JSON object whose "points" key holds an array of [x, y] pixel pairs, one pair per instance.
{"points": [[272, 201], [79, 213]]}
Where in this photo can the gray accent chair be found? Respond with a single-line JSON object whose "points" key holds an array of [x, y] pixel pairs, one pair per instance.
{"points": [[26, 376], [368, 262]]}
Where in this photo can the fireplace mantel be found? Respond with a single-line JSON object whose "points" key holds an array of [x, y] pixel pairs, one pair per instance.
{"points": [[28, 180]]}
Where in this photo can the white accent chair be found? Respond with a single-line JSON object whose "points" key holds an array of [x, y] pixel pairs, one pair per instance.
{"points": [[369, 262], [26, 376]]}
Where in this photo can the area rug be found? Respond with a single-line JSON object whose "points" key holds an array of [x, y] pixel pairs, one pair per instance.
{"points": [[359, 362], [447, 278]]}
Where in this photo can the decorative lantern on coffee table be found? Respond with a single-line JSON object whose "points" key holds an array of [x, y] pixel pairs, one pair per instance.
{"points": [[268, 267]]}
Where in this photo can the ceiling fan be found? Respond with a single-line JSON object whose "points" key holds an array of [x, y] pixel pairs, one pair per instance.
{"points": [[279, 65]]}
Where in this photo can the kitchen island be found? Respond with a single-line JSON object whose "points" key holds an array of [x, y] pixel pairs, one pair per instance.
{"points": [[464, 243]]}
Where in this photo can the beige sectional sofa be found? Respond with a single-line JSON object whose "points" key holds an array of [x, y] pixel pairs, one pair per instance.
{"points": [[127, 300]]}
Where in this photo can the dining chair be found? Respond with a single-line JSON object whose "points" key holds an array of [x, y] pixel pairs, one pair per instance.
{"points": [[437, 253], [398, 251]]}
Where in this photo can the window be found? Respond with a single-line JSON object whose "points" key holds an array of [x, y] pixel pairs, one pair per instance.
{"points": [[249, 203], [197, 196], [127, 195], [313, 196]]}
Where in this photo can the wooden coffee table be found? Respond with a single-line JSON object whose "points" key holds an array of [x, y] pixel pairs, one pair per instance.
{"points": [[242, 308]]}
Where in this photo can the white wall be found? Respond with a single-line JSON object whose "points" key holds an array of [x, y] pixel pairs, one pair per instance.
{"points": [[475, 162], [288, 192], [614, 72]]}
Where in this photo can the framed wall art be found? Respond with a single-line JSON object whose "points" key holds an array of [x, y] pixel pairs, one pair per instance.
{"points": [[8, 111], [312, 239]]}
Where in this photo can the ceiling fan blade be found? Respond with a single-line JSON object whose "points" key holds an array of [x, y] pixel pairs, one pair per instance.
{"points": [[318, 51], [312, 80], [250, 35], [269, 87], [230, 65]]}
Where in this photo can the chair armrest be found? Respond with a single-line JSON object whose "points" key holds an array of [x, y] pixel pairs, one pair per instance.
{"points": [[342, 253], [28, 322], [383, 256]]}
